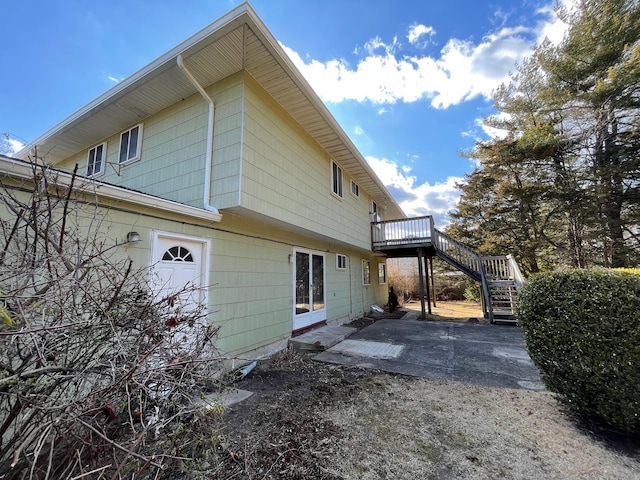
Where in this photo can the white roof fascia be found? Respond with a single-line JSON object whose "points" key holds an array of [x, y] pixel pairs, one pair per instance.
{"points": [[22, 170]]}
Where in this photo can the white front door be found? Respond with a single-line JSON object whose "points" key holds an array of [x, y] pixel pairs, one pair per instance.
{"points": [[179, 266], [309, 288]]}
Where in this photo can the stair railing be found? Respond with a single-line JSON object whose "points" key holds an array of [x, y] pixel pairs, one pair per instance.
{"points": [[503, 268], [457, 251], [468, 258], [518, 278]]}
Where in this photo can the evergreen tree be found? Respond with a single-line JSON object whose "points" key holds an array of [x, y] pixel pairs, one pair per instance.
{"points": [[561, 186]]}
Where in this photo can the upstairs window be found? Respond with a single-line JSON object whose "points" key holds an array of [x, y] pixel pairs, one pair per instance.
{"points": [[130, 144], [355, 189], [375, 212], [96, 160], [341, 262], [336, 179]]}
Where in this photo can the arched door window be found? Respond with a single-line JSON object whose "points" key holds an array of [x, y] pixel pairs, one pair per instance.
{"points": [[177, 254]]}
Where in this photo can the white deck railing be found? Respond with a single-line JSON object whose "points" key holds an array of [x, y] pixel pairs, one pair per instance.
{"points": [[502, 268], [406, 232]]}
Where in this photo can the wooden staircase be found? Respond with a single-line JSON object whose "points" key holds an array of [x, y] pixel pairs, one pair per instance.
{"points": [[499, 277]]}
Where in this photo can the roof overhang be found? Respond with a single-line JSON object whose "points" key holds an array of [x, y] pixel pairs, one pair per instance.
{"points": [[19, 169], [235, 42]]}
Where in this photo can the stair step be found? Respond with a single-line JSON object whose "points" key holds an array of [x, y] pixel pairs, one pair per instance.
{"points": [[321, 338]]}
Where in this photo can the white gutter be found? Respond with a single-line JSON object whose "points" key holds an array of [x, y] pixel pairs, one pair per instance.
{"points": [[23, 170], [209, 153]]}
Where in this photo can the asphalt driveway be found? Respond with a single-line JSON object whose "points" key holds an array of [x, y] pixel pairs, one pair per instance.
{"points": [[490, 355]]}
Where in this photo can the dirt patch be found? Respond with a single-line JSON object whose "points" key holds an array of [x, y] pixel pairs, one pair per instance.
{"points": [[370, 319], [452, 311], [309, 419]]}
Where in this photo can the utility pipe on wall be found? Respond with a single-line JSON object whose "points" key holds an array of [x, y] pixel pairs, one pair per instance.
{"points": [[209, 152]]}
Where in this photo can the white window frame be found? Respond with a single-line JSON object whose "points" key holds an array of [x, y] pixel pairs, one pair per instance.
{"points": [[366, 272], [382, 273], [91, 165], [341, 261], [337, 182], [375, 212], [129, 157], [355, 189]]}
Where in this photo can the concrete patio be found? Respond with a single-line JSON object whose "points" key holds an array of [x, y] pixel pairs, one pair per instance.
{"points": [[489, 355]]}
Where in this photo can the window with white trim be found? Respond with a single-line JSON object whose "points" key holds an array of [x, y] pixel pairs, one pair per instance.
{"points": [[355, 189], [382, 273], [336, 179], [375, 212], [96, 159], [366, 272], [341, 261], [130, 144]]}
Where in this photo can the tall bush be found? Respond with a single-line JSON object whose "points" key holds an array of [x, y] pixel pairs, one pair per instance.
{"points": [[582, 330], [93, 364]]}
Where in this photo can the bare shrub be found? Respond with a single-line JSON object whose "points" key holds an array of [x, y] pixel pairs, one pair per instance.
{"points": [[93, 364], [403, 276]]}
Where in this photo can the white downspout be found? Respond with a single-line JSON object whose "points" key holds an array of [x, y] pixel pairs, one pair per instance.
{"points": [[209, 152]]}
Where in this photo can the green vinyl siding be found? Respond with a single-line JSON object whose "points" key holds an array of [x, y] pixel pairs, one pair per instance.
{"points": [[250, 278], [263, 162], [286, 175], [173, 149], [339, 295], [226, 162], [266, 164]]}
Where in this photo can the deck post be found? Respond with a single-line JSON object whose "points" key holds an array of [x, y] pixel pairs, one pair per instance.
{"points": [[433, 288], [426, 279], [421, 278]]}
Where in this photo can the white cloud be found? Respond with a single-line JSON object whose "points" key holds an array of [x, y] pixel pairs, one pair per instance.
{"points": [[463, 70], [10, 146], [377, 45], [552, 28], [417, 199], [417, 34], [114, 79], [493, 132], [358, 131]]}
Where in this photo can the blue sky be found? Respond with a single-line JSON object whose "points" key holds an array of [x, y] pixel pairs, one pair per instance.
{"points": [[409, 81]]}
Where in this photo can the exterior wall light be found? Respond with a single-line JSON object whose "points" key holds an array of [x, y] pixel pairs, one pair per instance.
{"points": [[133, 237]]}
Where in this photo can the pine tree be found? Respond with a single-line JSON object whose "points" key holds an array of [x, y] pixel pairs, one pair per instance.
{"points": [[561, 186]]}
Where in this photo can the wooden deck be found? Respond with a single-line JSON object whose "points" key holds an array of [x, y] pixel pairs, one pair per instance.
{"points": [[402, 238], [499, 276]]}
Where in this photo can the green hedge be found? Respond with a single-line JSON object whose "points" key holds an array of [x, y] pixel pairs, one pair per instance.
{"points": [[582, 330]]}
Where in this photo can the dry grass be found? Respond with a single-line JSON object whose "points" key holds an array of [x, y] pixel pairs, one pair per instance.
{"points": [[312, 420], [418, 428], [451, 311]]}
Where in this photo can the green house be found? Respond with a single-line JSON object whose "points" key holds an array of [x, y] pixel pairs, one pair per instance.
{"points": [[222, 167]]}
